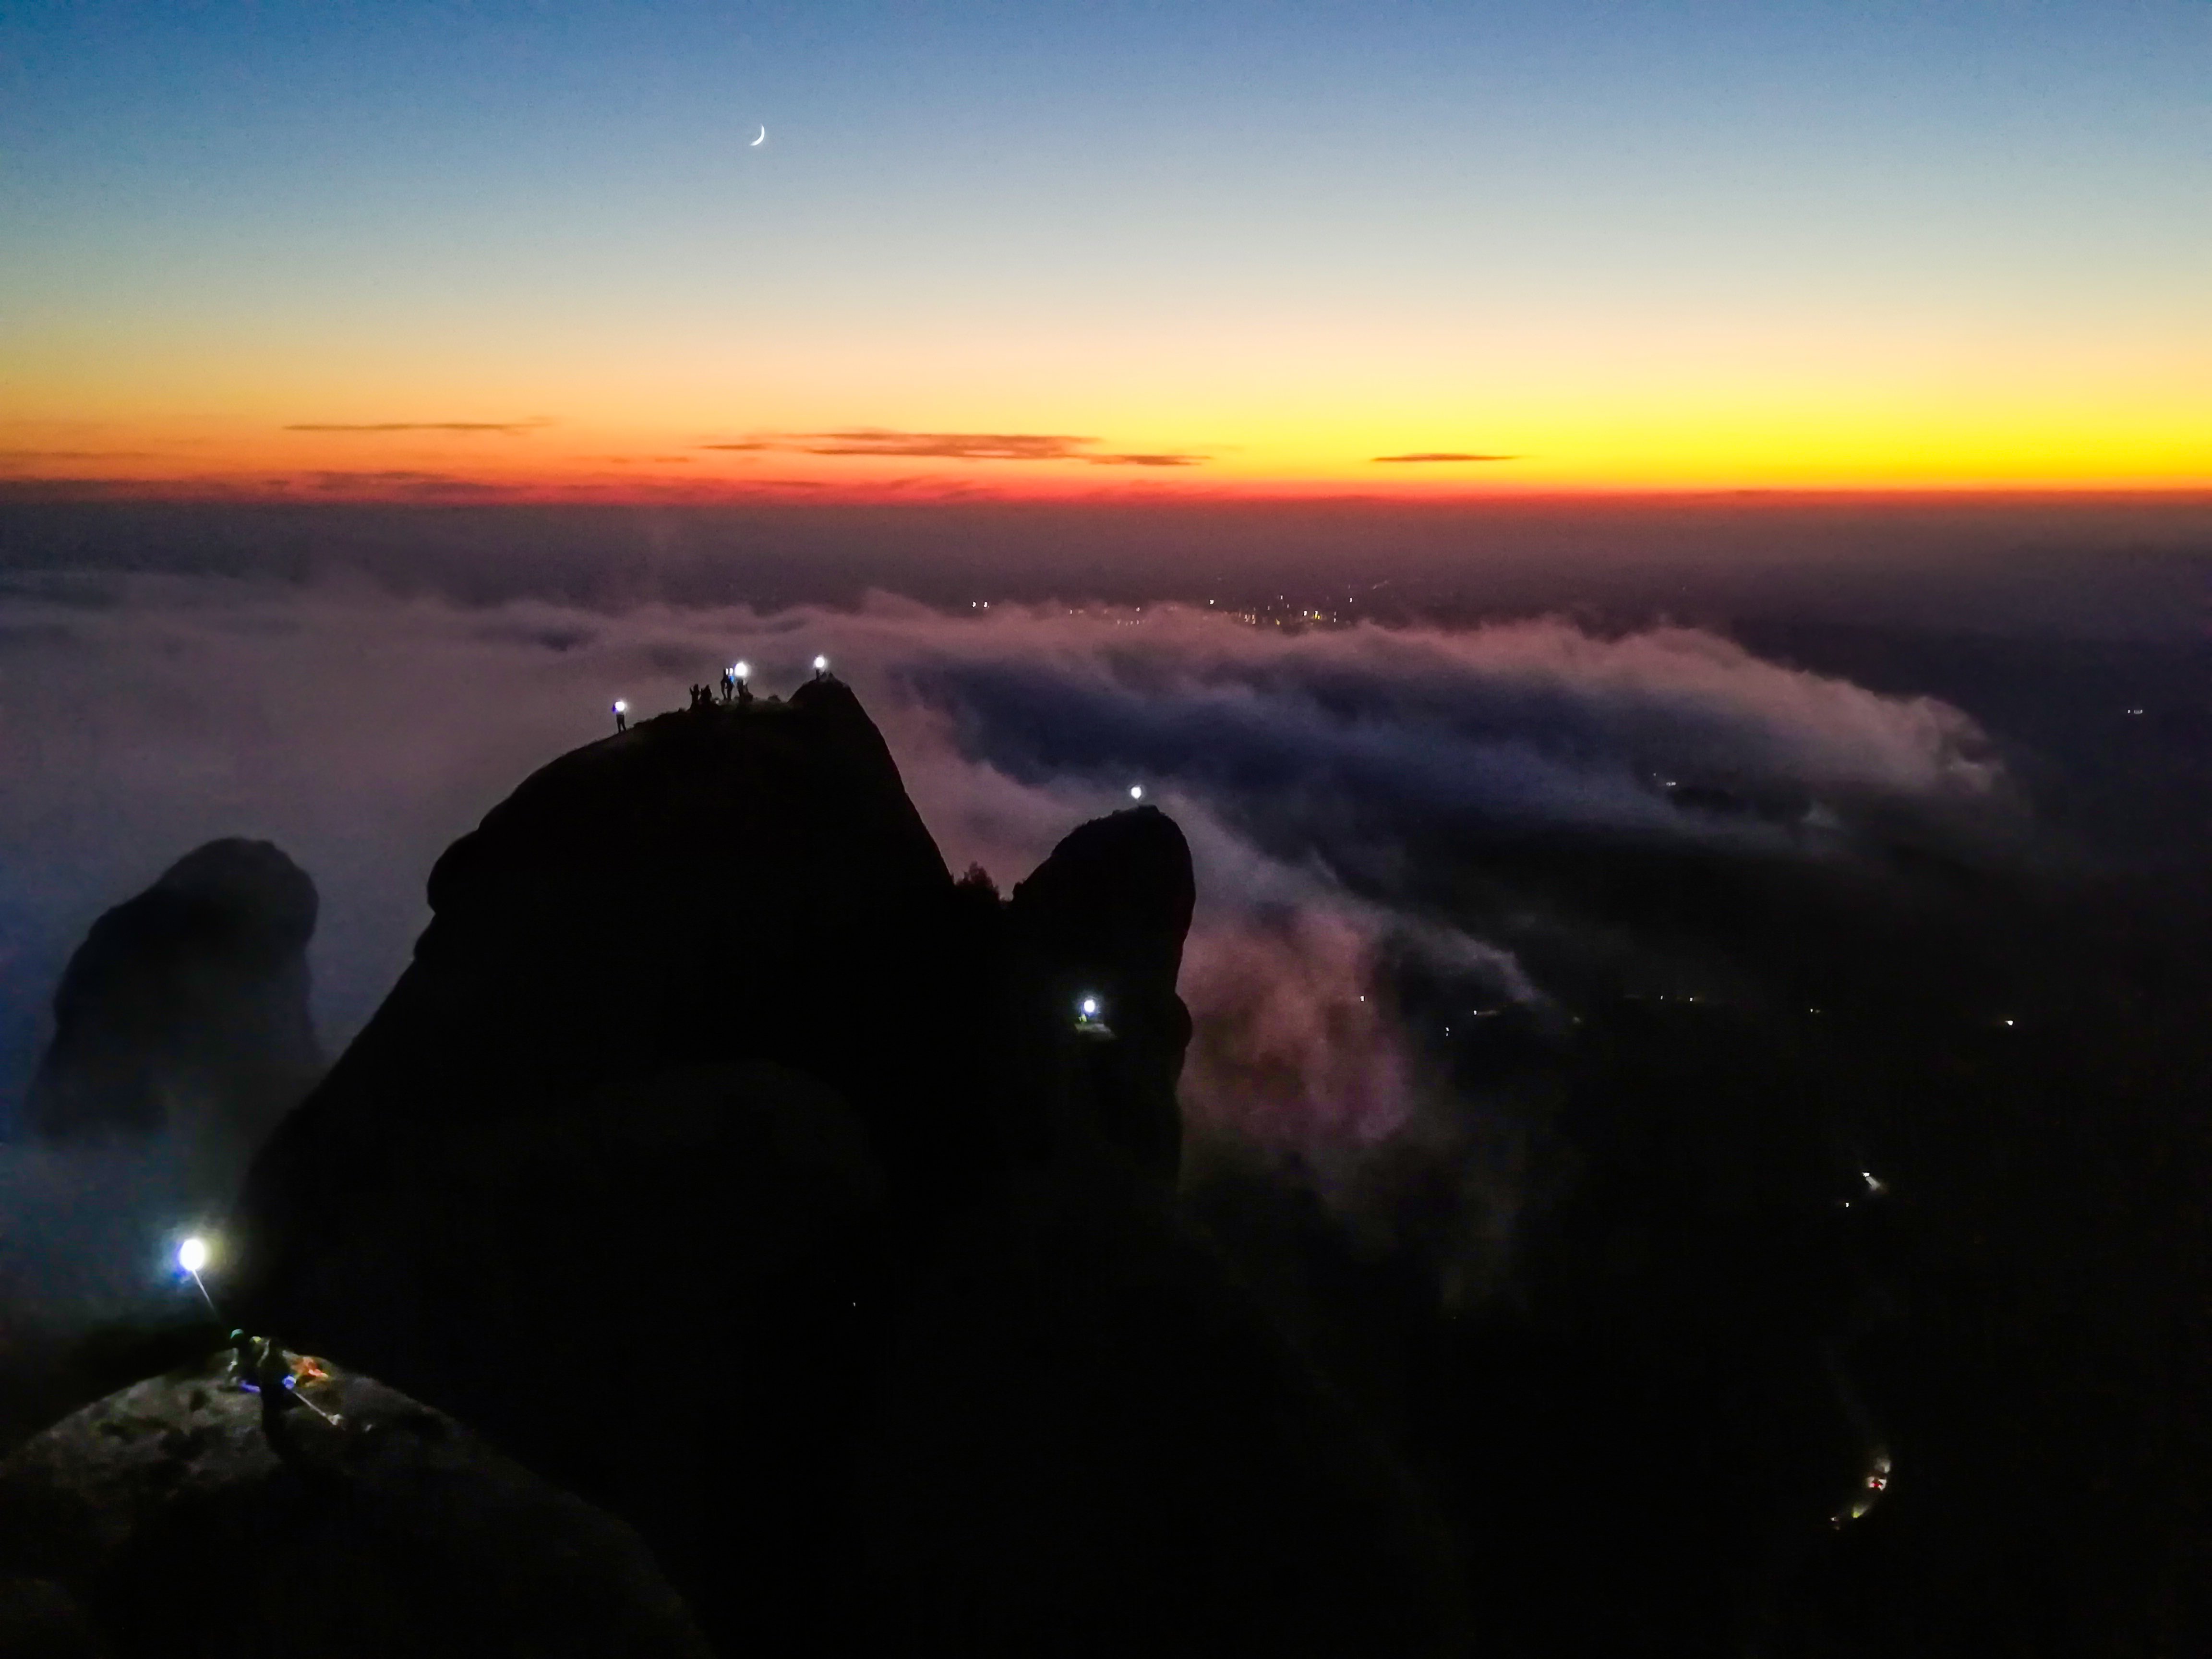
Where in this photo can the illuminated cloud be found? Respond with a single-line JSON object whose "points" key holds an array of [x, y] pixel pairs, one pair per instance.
{"points": [[961, 446], [1295, 762], [1444, 455], [949, 446]]}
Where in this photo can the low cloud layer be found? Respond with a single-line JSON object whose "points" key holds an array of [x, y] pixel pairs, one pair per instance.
{"points": [[363, 734]]}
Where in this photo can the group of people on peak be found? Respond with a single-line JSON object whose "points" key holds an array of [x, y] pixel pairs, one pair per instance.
{"points": [[702, 696], [735, 688]]}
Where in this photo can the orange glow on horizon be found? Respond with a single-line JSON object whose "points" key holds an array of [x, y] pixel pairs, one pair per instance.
{"points": [[549, 462], [1273, 406]]}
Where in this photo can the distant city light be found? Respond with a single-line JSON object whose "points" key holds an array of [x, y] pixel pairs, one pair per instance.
{"points": [[1136, 792]]}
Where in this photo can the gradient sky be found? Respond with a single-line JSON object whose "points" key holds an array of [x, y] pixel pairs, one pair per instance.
{"points": [[1103, 247]]}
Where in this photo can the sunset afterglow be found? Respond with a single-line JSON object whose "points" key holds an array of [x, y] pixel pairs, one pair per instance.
{"points": [[467, 253]]}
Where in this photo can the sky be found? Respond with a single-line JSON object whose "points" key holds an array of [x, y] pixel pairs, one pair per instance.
{"points": [[451, 252]]}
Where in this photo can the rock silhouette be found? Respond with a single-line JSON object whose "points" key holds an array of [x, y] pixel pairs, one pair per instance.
{"points": [[161, 1521], [184, 1010], [842, 1262], [1103, 918]]}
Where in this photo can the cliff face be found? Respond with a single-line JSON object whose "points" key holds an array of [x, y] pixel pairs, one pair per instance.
{"points": [[720, 1159], [186, 1008]]}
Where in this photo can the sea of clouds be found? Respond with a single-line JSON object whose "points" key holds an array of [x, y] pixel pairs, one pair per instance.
{"points": [[140, 717]]}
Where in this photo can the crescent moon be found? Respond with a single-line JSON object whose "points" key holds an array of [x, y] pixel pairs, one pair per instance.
{"points": [[755, 143]]}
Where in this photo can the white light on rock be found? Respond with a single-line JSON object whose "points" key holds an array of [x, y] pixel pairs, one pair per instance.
{"points": [[1090, 1007], [192, 1254], [820, 663], [1136, 792]]}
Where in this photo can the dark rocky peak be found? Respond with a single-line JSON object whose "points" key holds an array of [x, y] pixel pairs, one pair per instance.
{"points": [[762, 834], [1115, 897], [736, 881], [737, 885], [186, 1008], [1096, 938], [720, 1157]]}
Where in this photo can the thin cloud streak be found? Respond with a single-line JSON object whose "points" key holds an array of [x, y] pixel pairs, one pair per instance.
{"points": [[962, 446], [510, 426], [1441, 455]]}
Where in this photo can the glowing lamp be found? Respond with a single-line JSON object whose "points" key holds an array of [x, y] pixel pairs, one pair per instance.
{"points": [[191, 1257], [621, 707], [739, 671], [1136, 792], [1090, 1007], [820, 663]]}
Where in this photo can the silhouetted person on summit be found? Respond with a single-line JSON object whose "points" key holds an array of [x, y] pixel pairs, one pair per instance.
{"points": [[621, 716], [729, 686]]}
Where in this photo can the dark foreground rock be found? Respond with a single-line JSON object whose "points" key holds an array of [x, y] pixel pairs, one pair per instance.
{"points": [[185, 1010], [162, 1521], [845, 1255]]}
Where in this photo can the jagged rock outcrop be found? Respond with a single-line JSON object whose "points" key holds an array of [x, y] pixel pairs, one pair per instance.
{"points": [[184, 1010], [1104, 917], [163, 1522], [846, 1262]]}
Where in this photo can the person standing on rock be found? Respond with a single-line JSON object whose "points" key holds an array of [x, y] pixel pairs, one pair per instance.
{"points": [[261, 1362], [621, 716]]}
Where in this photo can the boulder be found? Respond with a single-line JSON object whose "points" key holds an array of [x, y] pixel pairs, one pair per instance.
{"points": [[167, 1520], [184, 1010]]}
